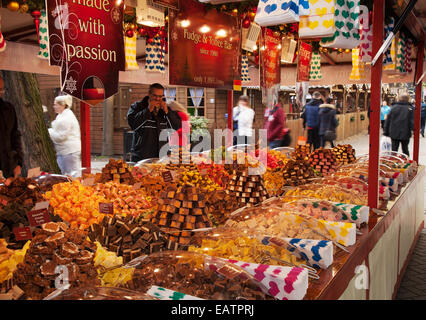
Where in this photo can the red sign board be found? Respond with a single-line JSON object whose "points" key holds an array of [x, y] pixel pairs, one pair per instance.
{"points": [[86, 41], [22, 233], [107, 208], [270, 63], [38, 217], [304, 62], [204, 47]]}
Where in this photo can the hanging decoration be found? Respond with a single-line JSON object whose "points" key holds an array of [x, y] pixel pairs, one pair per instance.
{"points": [[358, 72], [250, 37], [315, 70], [13, 6], [408, 52], [366, 32], [288, 49], [36, 15], [130, 53], [320, 22], [389, 58], [274, 12], [346, 21], [245, 69], [155, 56], [150, 14], [400, 55], [2, 40], [43, 37]]}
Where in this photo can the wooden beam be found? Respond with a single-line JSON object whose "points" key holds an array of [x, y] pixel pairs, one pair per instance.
{"points": [[17, 31], [22, 35], [376, 95], [329, 59]]}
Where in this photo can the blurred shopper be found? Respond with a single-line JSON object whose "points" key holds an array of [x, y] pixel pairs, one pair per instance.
{"points": [[327, 122], [180, 138], [310, 119], [400, 124], [147, 118], [384, 111], [243, 115], [11, 154], [65, 134], [277, 132]]}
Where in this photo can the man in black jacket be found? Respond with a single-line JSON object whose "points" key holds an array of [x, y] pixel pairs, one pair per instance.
{"points": [[400, 123], [11, 155], [147, 118]]}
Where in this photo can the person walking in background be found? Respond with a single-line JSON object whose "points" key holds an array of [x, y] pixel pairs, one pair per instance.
{"points": [[147, 118], [327, 122], [384, 111], [180, 138], [65, 135], [275, 124], [243, 115], [310, 119], [11, 154], [400, 124], [423, 118]]}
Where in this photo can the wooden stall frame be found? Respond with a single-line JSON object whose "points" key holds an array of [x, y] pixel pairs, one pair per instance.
{"points": [[419, 69]]}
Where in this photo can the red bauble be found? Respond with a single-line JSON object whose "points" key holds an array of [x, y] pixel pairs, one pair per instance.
{"points": [[150, 41], [142, 32], [130, 33], [246, 23], [256, 58], [162, 33]]}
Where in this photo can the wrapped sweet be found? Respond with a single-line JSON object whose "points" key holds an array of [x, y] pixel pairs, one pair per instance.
{"points": [[126, 199], [197, 275], [14, 215], [345, 154], [22, 190], [181, 210], [56, 249], [301, 152], [323, 161], [9, 259], [76, 204], [117, 171], [110, 268], [248, 189], [220, 205], [297, 172], [228, 244], [128, 238]]}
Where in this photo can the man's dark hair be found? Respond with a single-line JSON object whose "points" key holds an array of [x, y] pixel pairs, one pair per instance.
{"points": [[329, 100], [155, 86]]}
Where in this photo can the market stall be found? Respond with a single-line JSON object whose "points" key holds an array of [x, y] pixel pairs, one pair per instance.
{"points": [[226, 223]]}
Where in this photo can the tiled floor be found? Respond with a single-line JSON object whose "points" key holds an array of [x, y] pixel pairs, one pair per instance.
{"points": [[413, 285]]}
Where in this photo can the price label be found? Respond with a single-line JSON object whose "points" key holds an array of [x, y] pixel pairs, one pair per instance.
{"points": [[22, 233], [41, 205], [204, 172], [137, 185], [34, 172], [107, 208], [38, 217], [167, 176]]}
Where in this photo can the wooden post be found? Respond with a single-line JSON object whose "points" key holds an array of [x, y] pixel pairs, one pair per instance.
{"points": [[376, 94], [108, 127], [419, 61], [85, 135], [230, 108]]}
